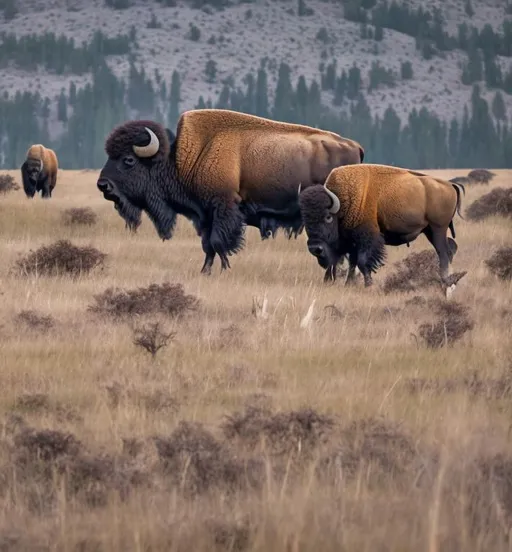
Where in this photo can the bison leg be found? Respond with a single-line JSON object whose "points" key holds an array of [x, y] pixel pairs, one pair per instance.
{"points": [[44, 186], [369, 251], [352, 265], [227, 230], [330, 274], [445, 250], [209, 253]]}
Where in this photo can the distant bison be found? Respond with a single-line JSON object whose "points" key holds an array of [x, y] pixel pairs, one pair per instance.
{"points": [[362, 208], [39, 171], [222, 170]]}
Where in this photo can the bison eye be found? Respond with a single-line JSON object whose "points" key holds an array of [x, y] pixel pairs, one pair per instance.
{"points": [[328, 218], [129, 161]]}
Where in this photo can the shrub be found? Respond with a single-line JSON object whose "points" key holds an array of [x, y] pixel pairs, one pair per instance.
{"points": [[167, 299], [7, 184], [500, 264], [496, 202], [79, 216], [152, 338], [481, 176], [452, 322], [35, 321], [417, 270], [59, 258]]}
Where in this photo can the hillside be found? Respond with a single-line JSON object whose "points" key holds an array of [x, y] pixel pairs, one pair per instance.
{"points": [[212, 50]]}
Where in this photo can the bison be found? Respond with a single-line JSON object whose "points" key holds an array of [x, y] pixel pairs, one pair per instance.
{"points": [[39, 171], [223, 170], [361, 208]]}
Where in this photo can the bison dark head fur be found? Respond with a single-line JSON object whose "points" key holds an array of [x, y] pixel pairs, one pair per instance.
{"points": [[318, 207], [138, 173]]}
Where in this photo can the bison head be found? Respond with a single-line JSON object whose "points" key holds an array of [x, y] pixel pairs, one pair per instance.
{"points": [[136, 172], [319, 207], [33, 167]]}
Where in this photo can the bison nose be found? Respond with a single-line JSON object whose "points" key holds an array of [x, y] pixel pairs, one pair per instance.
{"points": [[316, 250], [104, 185]]}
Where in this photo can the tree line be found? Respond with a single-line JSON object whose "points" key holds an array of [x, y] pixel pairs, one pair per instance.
{"points": [[422, 140]]}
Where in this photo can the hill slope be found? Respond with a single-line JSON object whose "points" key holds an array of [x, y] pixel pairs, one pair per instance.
{"points": [[237, 37]]}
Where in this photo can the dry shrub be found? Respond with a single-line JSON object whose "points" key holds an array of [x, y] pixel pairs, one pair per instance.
{"points": [[453, 321], [472, 384], [152, 337], [375, 447], [79, 216], [59, 258], [167, 299], [197, 462], [7, 184], [500, 264], [417, 270], [498, 202], [298, 431], [481, 176], [43, 461], [35, 321]]}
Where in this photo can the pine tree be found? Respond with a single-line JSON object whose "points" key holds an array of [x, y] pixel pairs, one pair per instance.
{"points": [[498, 107], [353, 82], [248, 103], [262, 93], [174, 99], [284, 96], [340, 89], [210, 71], [72, 93], [302, 98], [62, 107]]}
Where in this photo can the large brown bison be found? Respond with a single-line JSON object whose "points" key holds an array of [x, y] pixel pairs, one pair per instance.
{"points": [[39, 171], [223, 170], [362, 208]]}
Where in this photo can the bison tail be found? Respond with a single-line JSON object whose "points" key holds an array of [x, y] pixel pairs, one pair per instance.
{"points": [[458, 187]]}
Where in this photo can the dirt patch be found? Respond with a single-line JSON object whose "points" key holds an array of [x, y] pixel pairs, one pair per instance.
{"points": [[61, 258], [500, 264], [166, 299], [497, 202]]}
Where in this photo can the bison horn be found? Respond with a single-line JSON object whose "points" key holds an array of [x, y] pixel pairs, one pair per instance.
{"points": [[41, 163], [335, 207], [151, 148], [300, 185]]}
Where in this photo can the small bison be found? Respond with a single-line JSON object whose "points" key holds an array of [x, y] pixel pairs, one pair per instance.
{"points": [[39, 171], [222, 170], [362, 208]]}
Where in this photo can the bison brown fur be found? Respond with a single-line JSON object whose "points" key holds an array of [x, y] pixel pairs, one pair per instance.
{"points": [[223, 170], [39, 171], [362, 208]]}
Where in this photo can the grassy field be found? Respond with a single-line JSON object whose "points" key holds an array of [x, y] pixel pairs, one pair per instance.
{"points": [[247, 433]]}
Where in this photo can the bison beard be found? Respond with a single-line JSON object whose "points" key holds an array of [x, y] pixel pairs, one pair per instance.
{"points": [[130, 213]]}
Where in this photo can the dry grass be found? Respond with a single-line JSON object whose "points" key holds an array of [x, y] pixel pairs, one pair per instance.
{"points": [[247, 433]]}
